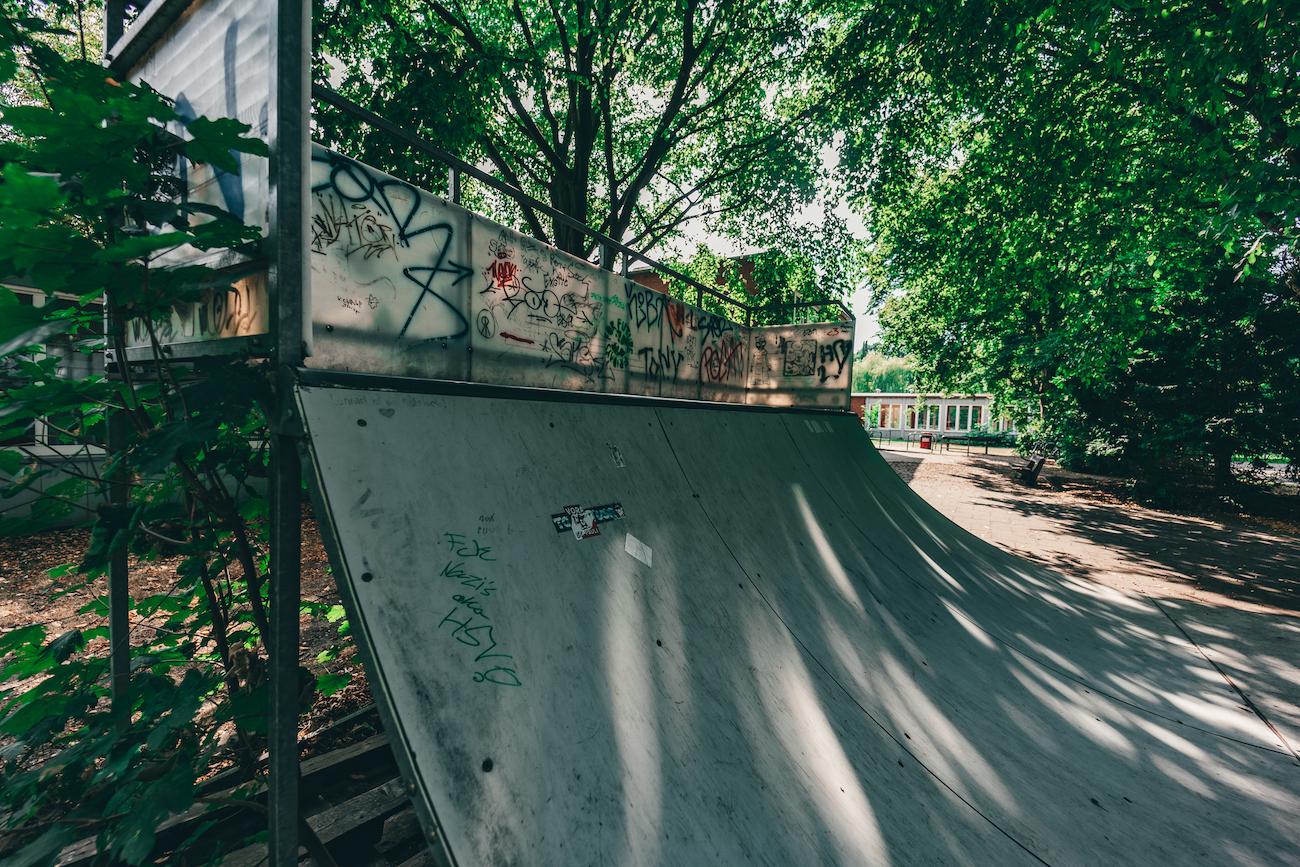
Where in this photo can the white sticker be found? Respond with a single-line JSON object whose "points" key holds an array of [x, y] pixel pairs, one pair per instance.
{"points": [[638, 549], [582, 522]]}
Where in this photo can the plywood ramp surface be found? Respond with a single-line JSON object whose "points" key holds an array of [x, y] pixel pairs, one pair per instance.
{"points": [[778, 654]]}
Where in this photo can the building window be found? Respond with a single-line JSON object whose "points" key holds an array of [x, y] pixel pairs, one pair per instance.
{"points": [[965, 418], [976, 413], [951, 422]]}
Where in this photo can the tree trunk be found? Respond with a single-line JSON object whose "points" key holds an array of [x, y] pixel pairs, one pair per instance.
{"points": [[1222, 455]]}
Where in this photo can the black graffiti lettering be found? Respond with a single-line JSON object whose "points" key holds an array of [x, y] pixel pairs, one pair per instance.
{"points": [[661, 364], [837, 354]]}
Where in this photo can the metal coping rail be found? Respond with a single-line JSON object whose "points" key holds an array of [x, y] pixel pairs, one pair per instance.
{"points": [[379, 122]]}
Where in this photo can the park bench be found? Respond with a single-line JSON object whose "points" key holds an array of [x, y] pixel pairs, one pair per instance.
{"points": [[1038, 455], [986, 439], [1029, 472]]}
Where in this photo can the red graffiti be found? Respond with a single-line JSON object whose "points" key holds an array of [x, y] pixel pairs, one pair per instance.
{"points": [[502, 273], [508, 336], [722, 362]]}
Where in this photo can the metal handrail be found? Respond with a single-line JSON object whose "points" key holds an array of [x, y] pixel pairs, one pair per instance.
{"points": [[458, 165]]}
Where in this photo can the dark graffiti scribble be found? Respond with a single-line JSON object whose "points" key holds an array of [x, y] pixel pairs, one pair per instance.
{"points": [[836, 353], [722, 362], [357, 229], [354, 183]]}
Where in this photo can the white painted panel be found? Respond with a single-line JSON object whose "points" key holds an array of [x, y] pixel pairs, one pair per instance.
{"points": [[214, 62], [405, 283], [391, 274], [801, 365]]}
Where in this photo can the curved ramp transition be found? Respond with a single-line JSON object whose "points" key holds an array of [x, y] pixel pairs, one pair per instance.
{"points": [[765, 650]]}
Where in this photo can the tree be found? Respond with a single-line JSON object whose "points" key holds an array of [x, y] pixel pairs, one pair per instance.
{"points": [[629, 115], [814, 264], [1054, 223], [88, 200], [874, 371], [1220, 75]]}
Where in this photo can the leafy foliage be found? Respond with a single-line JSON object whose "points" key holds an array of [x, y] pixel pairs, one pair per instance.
{"points": [[875, 371], [1090, 210], [89, 199], [631, 116]]}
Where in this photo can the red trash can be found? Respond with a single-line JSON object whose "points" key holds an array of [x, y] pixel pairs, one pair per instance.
{"points": [[926, 439]]}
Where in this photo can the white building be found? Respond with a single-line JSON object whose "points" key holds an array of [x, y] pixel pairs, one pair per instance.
{"points": [[934, 412]]}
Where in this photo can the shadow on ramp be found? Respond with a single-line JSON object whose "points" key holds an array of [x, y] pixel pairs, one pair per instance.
{"points": [[778, 654]]}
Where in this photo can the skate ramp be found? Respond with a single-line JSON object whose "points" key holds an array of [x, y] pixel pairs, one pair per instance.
{"points": [[766, 650]]}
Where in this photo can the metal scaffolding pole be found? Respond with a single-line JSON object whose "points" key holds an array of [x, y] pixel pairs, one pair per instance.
{"points": [[289, 279], [119, 602]]}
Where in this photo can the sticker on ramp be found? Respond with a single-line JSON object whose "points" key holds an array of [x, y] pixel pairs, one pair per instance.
{"points": [[600, 515], [582, 522], [638, 549]]}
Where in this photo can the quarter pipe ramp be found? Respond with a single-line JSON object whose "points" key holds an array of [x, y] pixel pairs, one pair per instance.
{"points": [[609, 630]]}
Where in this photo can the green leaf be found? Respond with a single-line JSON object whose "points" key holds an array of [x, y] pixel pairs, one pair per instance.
{"points": [[65, 645], [24, 327], [251, 708], [133, 838], [29, 192], [215, 140], [11, 461], [43, 851], [30, 636], [329, 684]]}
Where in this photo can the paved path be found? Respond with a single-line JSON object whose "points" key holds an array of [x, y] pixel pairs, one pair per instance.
{"points": [[1235, 590]]}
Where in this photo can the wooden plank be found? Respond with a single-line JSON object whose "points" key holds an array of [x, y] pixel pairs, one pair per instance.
{"points": [[337, 821], [423, 858], [400, 829], [314, 770]]}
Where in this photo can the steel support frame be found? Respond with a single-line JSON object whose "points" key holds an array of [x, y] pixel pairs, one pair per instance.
{"points": [[119, 601], [289, 275]]}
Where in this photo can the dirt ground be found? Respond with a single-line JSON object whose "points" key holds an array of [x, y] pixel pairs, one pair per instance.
{"points": [[26, 591], [1083, 525]]}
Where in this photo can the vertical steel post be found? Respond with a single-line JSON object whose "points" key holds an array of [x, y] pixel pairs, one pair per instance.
{"points": [[119, 602], [114, 23], [453, 185], [289, 280]]}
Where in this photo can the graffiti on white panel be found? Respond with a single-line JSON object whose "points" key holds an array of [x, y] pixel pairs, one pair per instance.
{"points": [[213, 63], [239, 310], [543, 303], [399, 273], [398, 255], [833, 355], [678, 343], [800, 357]]}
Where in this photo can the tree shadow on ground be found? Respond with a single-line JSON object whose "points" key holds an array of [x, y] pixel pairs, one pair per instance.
{"points": [[1229, 559]]}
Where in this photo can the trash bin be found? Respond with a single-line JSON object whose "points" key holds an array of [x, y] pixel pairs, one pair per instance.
{"points": [[926, 439]]}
